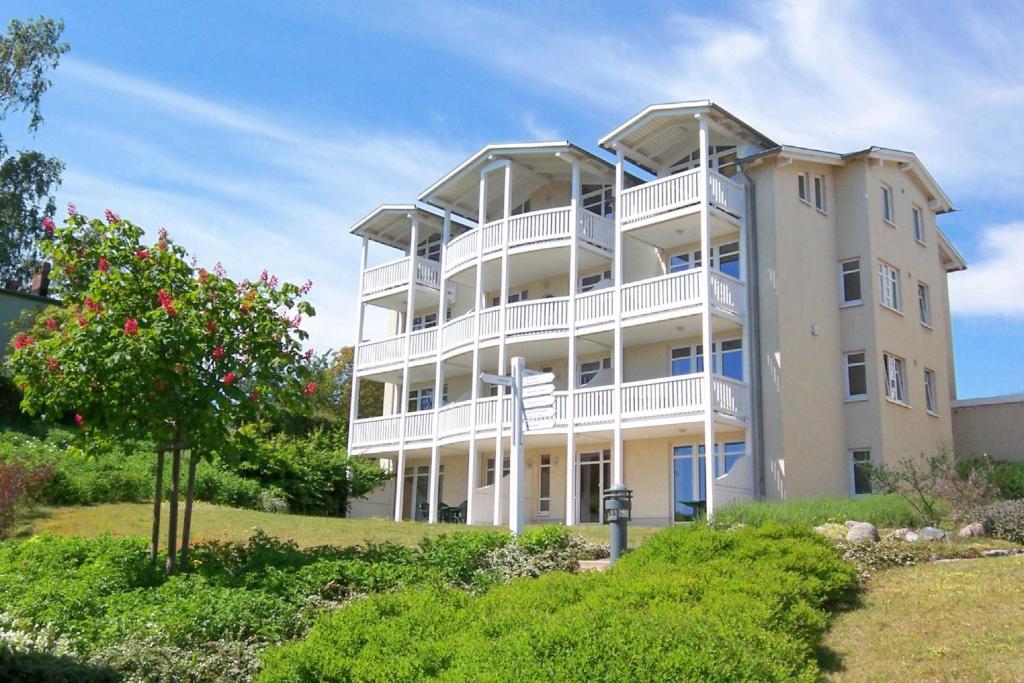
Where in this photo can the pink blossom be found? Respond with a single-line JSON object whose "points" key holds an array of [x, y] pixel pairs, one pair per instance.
{"points": [[211, 325], [104, 265], [52, 364], [296, 321], [218, 353], [310, 389], [309, 354], [272, 283], [72, 209], [161, 233], [264, 275], [141, 254], [306, 286], [111, 216], [48, 225], [218, 269], [131, 327], [51, 324], [23, 341], [79, 420], [229, 378]]}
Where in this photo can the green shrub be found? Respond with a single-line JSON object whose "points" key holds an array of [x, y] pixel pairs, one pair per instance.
{"points": [[1004, 519], [882, 511], [1006, 475], [690, 604]]}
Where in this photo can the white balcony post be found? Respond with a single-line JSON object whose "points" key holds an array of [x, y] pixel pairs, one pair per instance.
{"points": [[617, 446], [499, 451], [570, 399], [410, 307], [474, 391], [353, 408], [709, 393]]}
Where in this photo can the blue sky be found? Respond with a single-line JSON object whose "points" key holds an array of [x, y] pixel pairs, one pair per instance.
{"points": [[258, 132]]}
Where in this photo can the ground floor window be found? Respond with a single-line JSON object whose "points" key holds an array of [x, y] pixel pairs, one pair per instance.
{"points": [[689, 475], [860, 471], [416, 491], [489, 470], [594, 475], [544, 488]]}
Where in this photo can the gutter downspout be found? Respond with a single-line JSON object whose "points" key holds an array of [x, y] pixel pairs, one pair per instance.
{"points": [[753, 305]]}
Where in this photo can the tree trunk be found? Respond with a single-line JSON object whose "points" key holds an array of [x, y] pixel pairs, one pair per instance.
{"points": [[186, 527], [172, 521], [154, 547]]}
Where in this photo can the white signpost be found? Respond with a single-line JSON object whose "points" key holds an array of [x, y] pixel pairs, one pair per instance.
{"points": [[533, 408]]}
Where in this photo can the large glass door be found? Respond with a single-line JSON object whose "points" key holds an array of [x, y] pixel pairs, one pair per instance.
{"points": [[595, 475], [416, 492], [689, 475]]}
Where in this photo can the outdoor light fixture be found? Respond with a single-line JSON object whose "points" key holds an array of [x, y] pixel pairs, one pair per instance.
{"points": [[618, 510]]}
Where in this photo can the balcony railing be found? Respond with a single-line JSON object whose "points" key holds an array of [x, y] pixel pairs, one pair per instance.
{"points": [[660, 293], [380, 352], [652, 399], [546, 315], [535, 227], [679, 191], [395, 274], [423, 343], [595, 307]]}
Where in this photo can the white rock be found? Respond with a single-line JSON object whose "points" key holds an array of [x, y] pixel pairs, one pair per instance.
{"points": [[861, 532]]}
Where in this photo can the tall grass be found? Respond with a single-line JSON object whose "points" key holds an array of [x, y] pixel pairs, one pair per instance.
{"points": [[883, 511]]}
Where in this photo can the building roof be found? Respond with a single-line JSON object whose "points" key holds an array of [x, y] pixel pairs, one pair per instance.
{"points": [[391, 224], [987, 401], [29, 296], [458, 190]]}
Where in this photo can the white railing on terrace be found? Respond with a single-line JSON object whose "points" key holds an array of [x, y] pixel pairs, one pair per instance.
{"points": [[396, 274], [454, 418], [662, 292], [597, 230], [380, 352], [376, 431], [458, 331], [594, 405], [595, 307], [490, 323], [419, 425], [545, 315], [539, 226], [460, 250], [423, 342], [664, 396], [728, 293], [492, 236], [678, 191], [730, 396]]}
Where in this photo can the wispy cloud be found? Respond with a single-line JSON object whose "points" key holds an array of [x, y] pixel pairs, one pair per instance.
{"points": [[993, 283]]}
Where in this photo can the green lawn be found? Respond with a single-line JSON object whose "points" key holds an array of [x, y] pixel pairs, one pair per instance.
{"points": [[214, 522], [947, 621]]}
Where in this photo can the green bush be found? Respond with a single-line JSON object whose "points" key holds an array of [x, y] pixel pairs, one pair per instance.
{"points": [[882, 511], [1006, 475], [1004, 519], [690, 604]]}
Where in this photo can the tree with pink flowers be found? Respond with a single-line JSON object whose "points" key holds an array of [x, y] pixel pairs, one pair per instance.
{"points": [[149, 345]]}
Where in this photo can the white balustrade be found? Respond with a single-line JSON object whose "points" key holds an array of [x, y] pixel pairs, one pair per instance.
{"points": [[376, 431], [726, 194], [731, 396], [454, 418], [460, 250], [659, 196], [545, 315], [595, 307], [385, 276], [662, 292], [489, 322], [486, 412], [664, 396], [492, 236], [539, 226], [594, 405], [422, 343], [597, 230], [428, 272], [380, 352], [419, 425], [728, 293], [458, 331]]}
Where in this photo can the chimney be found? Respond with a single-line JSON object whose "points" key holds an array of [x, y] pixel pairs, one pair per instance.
{"points": [[41, 281]]}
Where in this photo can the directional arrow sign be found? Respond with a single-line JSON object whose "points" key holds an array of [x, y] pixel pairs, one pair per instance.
{"points": [[540, 413], [538, 402], [539, 378], [537, 425], [538, 390], [503, 380]]}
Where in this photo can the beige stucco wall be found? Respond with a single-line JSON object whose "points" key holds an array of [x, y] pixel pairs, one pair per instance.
{"points": [[995, 429]]}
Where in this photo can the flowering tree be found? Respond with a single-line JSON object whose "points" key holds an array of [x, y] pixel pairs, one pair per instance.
{"points": [[149, 345]]}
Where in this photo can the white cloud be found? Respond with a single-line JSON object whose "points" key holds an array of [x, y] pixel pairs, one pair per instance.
{"points": [[994, 282]]}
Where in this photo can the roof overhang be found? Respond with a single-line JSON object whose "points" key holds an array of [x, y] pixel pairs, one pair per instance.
{"points": [[951, 257], [391, 224], [459, 190], [661, 134]]}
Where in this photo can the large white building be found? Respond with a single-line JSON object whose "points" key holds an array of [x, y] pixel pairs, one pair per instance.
{"points": [[817, 280]]}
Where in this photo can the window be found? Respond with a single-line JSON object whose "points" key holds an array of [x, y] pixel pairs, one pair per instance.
{"points": [[931, 404], [918, 219], [727, 259], [924, 302], [513, 297], [423, 322], [684, 261], [895, 378], [421, 399], [819, 193], [887, 213], [849, 272], [689, 475], [860, 471], [522, 208], [544, 491], [687, 359], [599, 199], [595, 281], [889, 283], [430, 248], [489, 470], [727, 359], [416, 493], [590, 369], [801, 188], [856, 376]]}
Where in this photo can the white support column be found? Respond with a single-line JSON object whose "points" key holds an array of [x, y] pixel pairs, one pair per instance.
{"points": [[474, 380], [410, 307], [705, 250], [617, 446], [353, 408], [744, 269], [499, 451], [570, 399]]}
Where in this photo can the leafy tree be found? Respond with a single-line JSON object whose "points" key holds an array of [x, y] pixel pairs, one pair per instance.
{"points": [[150, 346], [27, 178], [371, 394]]}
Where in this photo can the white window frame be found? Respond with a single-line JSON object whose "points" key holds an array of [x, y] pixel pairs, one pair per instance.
{"points": [[604, 363], [820, 198], [924, 304], [917, 218], [853, 453], [513, 297], [931, 399], [543, 470], [888, 207], [843, 301], [889, 283], [488, 469], [594, 284], [424, 321], [896, 379], [848, 365], [803, 187]]}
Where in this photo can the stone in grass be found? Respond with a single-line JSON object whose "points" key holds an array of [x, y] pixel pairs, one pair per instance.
{"points": [[911, 537], [975, 530], [832, 531], [930, 533], [861, 532], [997, 553]]}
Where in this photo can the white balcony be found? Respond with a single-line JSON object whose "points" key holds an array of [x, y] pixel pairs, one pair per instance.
{"points": [[390, 278], [644, 403], [536, 228], [670, 195]]}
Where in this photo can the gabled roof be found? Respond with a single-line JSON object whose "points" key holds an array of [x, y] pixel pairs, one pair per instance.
{"points": [[391, 224], [458, 190]]}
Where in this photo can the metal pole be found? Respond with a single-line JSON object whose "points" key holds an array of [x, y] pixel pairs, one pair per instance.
{"points": [[515, 513], [618, 538]]}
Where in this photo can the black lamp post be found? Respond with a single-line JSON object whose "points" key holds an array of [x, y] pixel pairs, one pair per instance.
{"points": [[618, 510]]}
